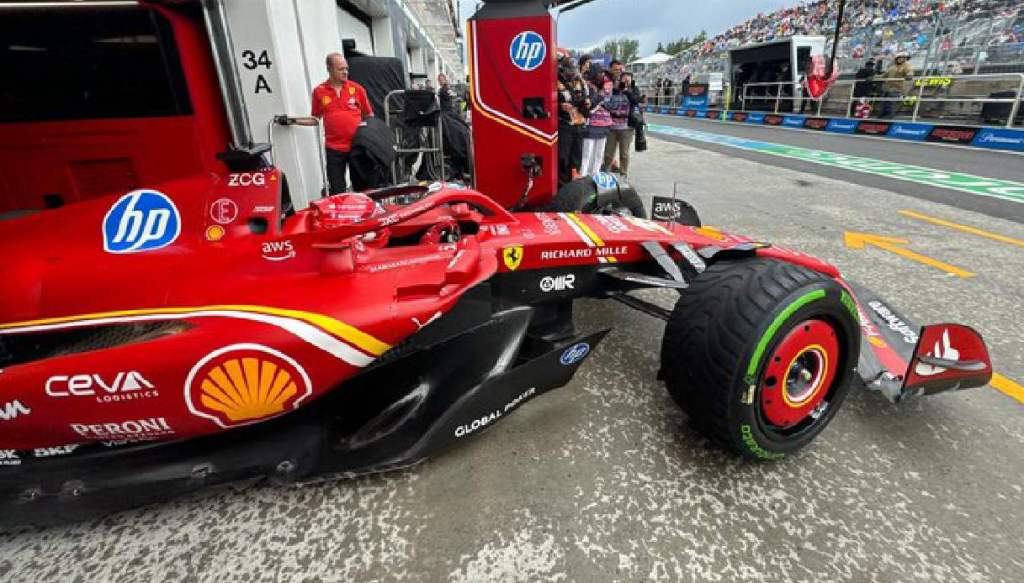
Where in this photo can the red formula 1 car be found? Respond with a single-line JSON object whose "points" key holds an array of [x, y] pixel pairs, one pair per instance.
{"points": [[141, 359]]}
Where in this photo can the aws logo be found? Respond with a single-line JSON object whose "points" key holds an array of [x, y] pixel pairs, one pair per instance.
{"points": [[245, 383]]}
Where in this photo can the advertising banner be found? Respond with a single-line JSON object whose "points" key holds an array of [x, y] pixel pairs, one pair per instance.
{"points": [[842, 126], [1000, 139], [816, 123], [910, 131], [755, 118], [794, 121], [952, 134], [873, 128]]}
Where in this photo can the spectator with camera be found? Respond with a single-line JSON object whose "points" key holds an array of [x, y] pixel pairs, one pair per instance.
{"points": [[620, 105], [573, 109], [599, 122]]}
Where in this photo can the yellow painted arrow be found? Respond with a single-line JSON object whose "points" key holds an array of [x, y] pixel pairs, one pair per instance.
{"points": [[964, 228], [1008, 386], [856, 240]]}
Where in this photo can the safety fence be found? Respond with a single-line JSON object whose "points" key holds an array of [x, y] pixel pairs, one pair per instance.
{"points": [[993, 138], [974, 100], [993, 99]]}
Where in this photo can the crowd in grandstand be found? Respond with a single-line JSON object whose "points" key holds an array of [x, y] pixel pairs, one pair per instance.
{"points": [[871, 27]]}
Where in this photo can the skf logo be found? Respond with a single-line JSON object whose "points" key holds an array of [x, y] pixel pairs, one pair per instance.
{"points": [[142, 220], [512, 256], [245, 383], [557, 283], [528, 50]]}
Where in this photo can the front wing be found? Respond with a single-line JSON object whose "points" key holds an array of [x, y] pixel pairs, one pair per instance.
{"points": [[902, 359]]}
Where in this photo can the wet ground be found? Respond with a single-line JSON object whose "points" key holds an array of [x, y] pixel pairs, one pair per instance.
{"points": [[604, 481]]}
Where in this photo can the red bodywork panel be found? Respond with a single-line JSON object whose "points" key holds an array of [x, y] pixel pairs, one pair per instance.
{"points": [[250, 327], [498, 88], [78, 160]]}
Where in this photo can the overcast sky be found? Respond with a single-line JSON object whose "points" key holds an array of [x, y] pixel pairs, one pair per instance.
{"points": [[649, 21]]}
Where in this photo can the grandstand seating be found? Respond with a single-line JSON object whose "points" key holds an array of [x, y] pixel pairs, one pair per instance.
{"points": [[946, 36]]}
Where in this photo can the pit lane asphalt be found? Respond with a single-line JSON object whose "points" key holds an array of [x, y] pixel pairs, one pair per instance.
{"points": [[987, 163], [604, 481]]}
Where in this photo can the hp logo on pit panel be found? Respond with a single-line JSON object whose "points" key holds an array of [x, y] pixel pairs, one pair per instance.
{"points": [[528, 50]]}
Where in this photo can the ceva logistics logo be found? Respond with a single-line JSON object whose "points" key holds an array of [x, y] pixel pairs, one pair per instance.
{"points": [[142, 220], [527, 50]]}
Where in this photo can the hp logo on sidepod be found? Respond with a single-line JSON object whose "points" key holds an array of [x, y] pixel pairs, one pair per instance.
{"points": [[527, 50], [141, 220]]}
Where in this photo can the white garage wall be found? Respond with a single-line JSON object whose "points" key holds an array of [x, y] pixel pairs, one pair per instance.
{"points": [[351, 27]]}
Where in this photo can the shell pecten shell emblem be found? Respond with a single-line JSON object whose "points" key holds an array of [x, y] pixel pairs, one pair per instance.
{"points": [[245, 383]]}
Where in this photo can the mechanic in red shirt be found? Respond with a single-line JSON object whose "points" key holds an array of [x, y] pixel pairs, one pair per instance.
{"points": [[342, 105]]}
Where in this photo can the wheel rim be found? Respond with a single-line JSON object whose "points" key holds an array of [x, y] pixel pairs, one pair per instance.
{"points": [[799, 374]]}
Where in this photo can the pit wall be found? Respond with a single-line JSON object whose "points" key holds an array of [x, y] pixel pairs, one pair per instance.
{"points": [[990, 138]]}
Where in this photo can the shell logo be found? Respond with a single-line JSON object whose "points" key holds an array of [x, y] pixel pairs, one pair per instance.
{"points": [[245, 383]]}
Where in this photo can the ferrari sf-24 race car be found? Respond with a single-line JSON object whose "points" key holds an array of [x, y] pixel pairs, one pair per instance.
{"points": [[375, 329]]}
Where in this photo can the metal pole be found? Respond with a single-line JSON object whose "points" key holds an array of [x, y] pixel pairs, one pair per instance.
{"points": [[928, 55], [917, 102], [835, 39], [1015, 107], [222, 49], [778, 97]]}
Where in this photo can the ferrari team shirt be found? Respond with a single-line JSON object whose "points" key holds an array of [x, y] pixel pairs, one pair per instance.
{"points": [[342, 110]]}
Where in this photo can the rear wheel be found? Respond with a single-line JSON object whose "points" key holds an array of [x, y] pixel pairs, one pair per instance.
{"points": [[760, 355], [580, 196]]}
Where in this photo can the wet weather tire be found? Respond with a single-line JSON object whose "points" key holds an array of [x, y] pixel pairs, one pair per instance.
{"points": [[760, 354], [580, 196]]}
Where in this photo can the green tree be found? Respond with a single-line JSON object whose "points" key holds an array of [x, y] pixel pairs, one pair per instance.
{"points": [[622, 49], [678, 46]]}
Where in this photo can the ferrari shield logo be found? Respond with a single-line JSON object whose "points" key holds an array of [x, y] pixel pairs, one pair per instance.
{"points": [[512, 256]]}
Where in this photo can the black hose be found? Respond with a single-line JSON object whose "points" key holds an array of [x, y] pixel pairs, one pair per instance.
{"points": [[835, 39]]}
